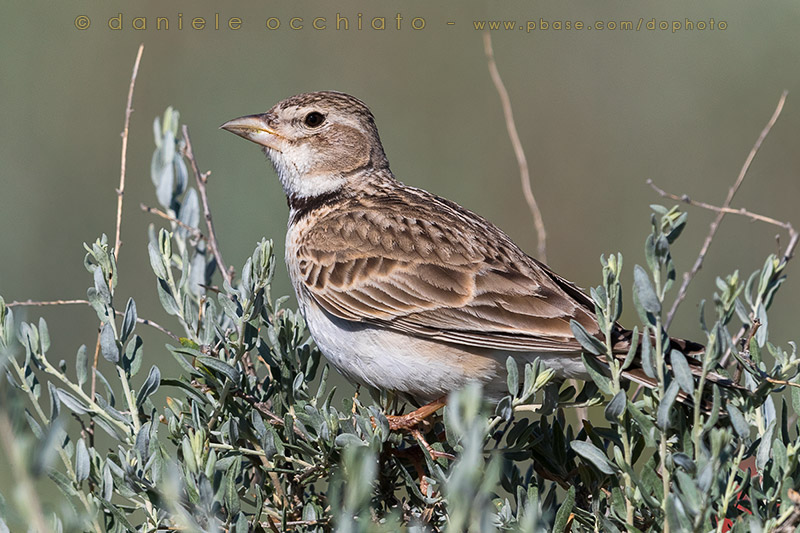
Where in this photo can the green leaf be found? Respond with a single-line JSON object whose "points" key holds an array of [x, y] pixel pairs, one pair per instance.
{"points": [[132, 359], [505, 409], [149, 386], [676, 514], [108, 482], [665, 407], [633, 350], [616, 407], [682, 372], [118, 515], [795, 397], [179, 355], [562, 516], [128, 321], [594, 455], [55, 403], [101, 285], [645, 423], [72, 402], [157, 262], [597, 373], [44, 336], [82, 365], [512, 379], [108, 344], [166, 297], [217, 365], [344, 440], [740, 425], [765, 447], [644, 291], [193, 393], [82, 463], [647, 357], [589, 343]]}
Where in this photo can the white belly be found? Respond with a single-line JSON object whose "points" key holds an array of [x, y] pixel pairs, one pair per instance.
{"points": [[386, 360], [422, 369]]}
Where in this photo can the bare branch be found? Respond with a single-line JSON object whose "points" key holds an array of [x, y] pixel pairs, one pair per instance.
{"points": [[140, 320], [196, 233], [124, 153], [36, 303], [541, 235], [712, 230], [201, 180], [729, 210]]}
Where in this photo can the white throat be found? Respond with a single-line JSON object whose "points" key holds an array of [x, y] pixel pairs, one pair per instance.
{"points": [[296, 177]]}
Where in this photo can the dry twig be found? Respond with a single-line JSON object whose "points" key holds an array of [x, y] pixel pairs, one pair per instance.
{"points": [[195, 233], [202, 179], [712, 231], [140, 320], [541, 235], [793, 236], [124, 152]]}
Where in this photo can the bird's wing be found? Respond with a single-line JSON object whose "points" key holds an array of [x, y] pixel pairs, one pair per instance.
{"points": [[452, 276]]}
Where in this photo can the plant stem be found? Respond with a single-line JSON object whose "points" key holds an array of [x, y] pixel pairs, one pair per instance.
{"points": [[665, 477], [729, 489], [226, 389], [92, 406], [126, 389], [616, 371]]}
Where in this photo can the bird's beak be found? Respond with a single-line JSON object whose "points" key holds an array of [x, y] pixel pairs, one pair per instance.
{"points": [[254, 128]]}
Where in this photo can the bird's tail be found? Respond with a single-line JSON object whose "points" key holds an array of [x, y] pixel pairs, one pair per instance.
{"points": [[692, 351]]}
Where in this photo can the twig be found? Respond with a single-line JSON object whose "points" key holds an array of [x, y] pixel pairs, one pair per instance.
{"points": [[541, 235], [140, 320], [712, 230], [124, 153], [728, 210], [201, 180], [33, 303], [95, 360], [262, 408], [793, 235], [196, 233]]}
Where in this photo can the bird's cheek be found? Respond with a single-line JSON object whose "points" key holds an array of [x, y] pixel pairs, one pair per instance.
{"points": [[343, 154]]}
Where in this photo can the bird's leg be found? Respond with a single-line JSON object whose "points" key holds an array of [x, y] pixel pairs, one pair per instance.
{"points": [[435, 454], [355, 398], [411, 420]]}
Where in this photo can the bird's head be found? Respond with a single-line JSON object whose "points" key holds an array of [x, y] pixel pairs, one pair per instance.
{"points": [[316, 141]]}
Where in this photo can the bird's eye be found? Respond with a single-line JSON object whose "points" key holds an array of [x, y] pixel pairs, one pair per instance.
{"points": [[314, 119]]}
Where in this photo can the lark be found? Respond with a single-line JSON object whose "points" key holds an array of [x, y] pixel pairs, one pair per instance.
{"points": [[402, 290]]}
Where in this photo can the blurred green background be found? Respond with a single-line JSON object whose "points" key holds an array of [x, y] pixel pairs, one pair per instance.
{"points": [[598, 113]]}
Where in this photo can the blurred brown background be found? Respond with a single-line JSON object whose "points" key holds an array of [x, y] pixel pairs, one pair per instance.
{"points": [[598, 113]]}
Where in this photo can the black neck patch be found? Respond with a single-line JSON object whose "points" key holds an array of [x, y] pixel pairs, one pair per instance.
{"points": [[301, 206]]}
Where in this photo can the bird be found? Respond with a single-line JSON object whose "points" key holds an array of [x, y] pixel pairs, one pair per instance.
{"points": [[402, 290]]}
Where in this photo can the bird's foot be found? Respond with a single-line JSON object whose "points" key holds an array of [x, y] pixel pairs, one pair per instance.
{"points": [[411, 420], [435, 454]]}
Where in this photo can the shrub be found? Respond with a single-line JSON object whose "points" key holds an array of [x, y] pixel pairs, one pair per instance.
{"points": [[251, 438]]}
